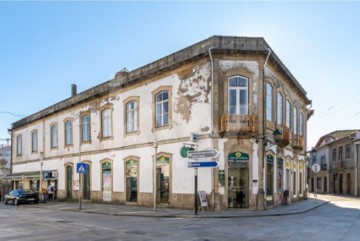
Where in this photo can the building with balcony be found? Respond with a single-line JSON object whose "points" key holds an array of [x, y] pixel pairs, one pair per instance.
{"points": [[133, 132], [337, 155]]}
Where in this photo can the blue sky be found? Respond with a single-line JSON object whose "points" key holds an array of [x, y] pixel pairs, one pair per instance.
{"points": [[47, 46]]}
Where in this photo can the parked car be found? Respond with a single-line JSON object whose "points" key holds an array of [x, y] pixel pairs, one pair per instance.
{"points": [[18, 196]]}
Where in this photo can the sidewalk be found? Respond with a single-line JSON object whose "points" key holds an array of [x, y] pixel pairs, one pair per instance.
{"points": [[122, 210]]}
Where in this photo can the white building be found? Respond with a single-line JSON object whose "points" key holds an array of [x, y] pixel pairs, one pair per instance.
{"points": [[233, 92]]}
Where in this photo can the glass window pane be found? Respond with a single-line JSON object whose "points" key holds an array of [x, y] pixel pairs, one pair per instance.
{"points": [[166, 107], [242, 82], [232, 98], [165, 95]]}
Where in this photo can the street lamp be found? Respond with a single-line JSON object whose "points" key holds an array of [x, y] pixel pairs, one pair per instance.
{"points": [[313, 154]]}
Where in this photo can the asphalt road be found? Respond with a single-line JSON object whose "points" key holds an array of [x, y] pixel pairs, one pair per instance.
{"points": [[338, 220]]}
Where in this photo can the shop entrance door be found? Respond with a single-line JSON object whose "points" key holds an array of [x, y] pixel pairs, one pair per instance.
{"points": [[341, 183], [131, 180], [86, 185], [238, 187], [162, 180], [269, 183], [69, 184]]}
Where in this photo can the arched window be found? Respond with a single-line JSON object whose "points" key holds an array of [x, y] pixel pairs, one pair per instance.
{"points": [[34, 141], [106, 123], [279, 109], [238, 96], [85, 128], [288, 112], [269, 102], [162, 109], [68, 132], [53, 141], [131, 116]]}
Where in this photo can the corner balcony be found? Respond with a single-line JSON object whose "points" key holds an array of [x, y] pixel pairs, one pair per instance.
{"points": [[297, 143], [283, 135], [239, 124]]}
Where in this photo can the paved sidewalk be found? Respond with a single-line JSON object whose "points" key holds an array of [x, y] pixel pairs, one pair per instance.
{"points": [[122, 210]]}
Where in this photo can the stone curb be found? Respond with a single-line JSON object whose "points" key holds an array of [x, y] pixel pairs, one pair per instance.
{"points": [[159, 215]]}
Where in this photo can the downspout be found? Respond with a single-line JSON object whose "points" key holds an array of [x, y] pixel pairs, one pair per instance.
{"points": [[212, 127], [262, 187]]}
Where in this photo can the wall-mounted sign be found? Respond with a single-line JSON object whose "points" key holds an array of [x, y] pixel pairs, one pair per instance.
{"points": [[238, 160], [237, 156], [106, 165], [269, 159], [184, 151]]}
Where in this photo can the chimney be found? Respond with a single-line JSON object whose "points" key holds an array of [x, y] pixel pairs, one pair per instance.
{"points": [[122, 72], [73, 90]]}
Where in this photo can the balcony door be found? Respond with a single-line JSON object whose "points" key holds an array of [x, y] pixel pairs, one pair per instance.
{"points": [[238, 96]]}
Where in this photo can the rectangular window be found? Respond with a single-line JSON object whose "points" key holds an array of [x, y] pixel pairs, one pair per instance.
{"points": [[53, 132], [347, 151], [288, 112], [340, 153], [334, 154], [131, 116], [279, 109], [85, 128], [34, 141], [68, 133], [106, 123], [19, 145], [269, 102], [162, 109], [238, 96]]}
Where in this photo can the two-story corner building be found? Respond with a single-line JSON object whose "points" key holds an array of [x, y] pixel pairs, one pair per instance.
{"points": [[233, 92], [337, 155]]}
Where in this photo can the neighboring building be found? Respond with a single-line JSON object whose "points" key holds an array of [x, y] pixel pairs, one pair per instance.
{"points": [[233, 92], [337, 155], [5, 160]]}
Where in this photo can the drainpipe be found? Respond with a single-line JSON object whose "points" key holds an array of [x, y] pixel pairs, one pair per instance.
{"points": [[212, 127], [261, 184]]}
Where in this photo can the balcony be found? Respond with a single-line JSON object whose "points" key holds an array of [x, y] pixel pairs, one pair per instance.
{"points": [[239, 123], [282, 135], [297, 143]]}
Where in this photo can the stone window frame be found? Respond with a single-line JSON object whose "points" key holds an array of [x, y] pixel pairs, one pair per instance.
{"points": [[137, 112], [34, 132], [137, 159], [82, 115], [52, 145], [111, 110], [71, 121], [154, 93]]}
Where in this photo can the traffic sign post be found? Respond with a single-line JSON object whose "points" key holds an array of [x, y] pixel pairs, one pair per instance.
{"points": [[81, 168], [315, 168]]}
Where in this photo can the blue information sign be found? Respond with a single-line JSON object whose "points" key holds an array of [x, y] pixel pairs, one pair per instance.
{"points": [[202, 164], [81, 168]]}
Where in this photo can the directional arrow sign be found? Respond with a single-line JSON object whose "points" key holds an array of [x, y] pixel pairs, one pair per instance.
{"points": [[202, 164], [203, 154]]}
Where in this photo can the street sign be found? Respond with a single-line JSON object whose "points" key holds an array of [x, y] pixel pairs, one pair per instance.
{"points": [[81, 168], [315, 168], [46, 175], [202, 164], [203, 154]]}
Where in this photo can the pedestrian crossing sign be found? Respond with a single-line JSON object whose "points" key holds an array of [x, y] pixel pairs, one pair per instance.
{"points": [[81, 168]]}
